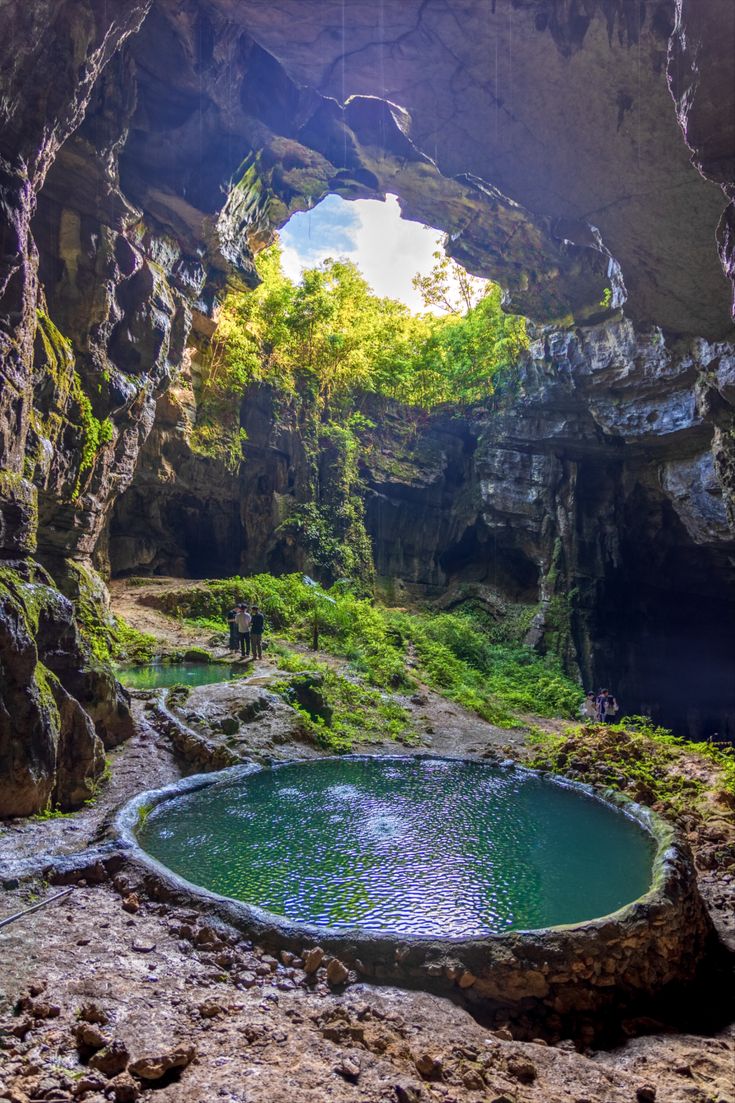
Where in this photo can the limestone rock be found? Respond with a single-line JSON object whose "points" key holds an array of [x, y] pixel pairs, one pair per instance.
{"points": [[337, 972], [111, 1060], [152, 1067], [312, 959]]}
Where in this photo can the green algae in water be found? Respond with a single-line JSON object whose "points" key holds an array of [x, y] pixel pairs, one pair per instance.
{"points": [[416, 846], [158, 675]]}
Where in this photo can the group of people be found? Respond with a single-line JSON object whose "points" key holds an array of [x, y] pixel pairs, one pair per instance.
{"points": [[600, 707], [246, 630]]}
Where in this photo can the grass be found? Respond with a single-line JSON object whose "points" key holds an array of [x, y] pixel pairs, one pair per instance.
{"points": [[129, 645], [352, 714], [480, 665]]}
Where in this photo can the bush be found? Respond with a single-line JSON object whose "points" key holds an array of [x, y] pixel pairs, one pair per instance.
{"points": [[454, 653]]}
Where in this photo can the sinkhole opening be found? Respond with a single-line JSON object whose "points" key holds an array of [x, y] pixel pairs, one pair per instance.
{"points": [[416, 847]]}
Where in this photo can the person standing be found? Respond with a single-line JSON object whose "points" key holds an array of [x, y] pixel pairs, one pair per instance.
{"points": [[256, 632], [588, 708], [611, 708], [243, 621], [232, 625]]}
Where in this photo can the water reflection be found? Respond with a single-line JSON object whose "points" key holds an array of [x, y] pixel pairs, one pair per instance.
{"points": [[420, 846]]}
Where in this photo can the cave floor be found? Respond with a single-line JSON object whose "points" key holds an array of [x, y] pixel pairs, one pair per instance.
{"points": [[165, 980], [245, 1027]]}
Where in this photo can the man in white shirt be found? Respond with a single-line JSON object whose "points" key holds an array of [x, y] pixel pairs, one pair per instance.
{"points": [[243, 621]]}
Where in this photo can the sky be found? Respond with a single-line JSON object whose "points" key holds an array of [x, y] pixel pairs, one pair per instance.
{"points": [[388, 250]]}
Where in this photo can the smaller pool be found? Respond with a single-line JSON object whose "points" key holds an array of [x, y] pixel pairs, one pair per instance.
{"points": [[158, 675]]}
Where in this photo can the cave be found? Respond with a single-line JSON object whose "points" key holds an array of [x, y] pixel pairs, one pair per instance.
{"points": [[443, 578], [669, 607]]}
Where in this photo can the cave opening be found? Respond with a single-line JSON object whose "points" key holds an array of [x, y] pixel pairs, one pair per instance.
{"points": [[664, 625]]}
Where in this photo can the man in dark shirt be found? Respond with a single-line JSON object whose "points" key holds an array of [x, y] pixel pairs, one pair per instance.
{"points": [[256, 633], [232, 625]]}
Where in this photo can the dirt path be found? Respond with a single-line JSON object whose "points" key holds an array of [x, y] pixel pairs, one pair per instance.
{"points": [[128, 601]]}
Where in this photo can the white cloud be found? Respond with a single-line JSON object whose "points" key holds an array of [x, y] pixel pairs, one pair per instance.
{"points": [[388, 250]]}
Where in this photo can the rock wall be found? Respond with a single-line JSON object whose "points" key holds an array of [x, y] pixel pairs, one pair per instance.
{"points": [[147, 148]]}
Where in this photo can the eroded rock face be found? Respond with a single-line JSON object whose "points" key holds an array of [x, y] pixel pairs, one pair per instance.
{"points": [[50, 752], [593, 492]]}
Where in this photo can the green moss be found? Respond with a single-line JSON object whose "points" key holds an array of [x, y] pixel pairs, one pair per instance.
{"points": [[646, 762], [353, 714], [58, 354], [58, 357], [26, 597], [216, 439], [45, 681], [130, 645], [109, 638]]}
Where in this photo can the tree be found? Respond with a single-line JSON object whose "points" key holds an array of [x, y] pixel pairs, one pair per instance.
{"points": [[449, 286], [331, 337]]}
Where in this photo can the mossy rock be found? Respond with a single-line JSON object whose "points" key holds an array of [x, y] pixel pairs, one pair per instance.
{"points": [[197, 655]]}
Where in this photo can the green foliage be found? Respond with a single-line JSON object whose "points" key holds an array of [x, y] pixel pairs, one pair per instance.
{"points": [[451, 652], [329, 337], [331, 528], [645, 761], [322, 344], [127, 644], [59, 362], [357, 714], [499, 682], [215, 436], [50, 812]]}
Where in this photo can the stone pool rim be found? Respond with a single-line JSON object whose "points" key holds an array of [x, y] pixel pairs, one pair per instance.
{"points": [[623, 958], [666, 839]]}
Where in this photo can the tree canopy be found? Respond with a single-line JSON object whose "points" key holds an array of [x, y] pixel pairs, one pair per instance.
{"points": [[329, 335]]}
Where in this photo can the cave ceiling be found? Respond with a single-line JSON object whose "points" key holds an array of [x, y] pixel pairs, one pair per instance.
{"points": [[542, 135]]}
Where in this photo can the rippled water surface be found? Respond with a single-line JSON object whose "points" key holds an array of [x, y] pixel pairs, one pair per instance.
{"points": [[156, 675], [420, 846]]}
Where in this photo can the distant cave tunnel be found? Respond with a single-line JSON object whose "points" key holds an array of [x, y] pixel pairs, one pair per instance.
{"points": [[180, 536], [480, 556], [664, 629]]}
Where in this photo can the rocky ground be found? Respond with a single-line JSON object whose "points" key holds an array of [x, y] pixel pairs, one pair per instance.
{"points": [[111, 993]]}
